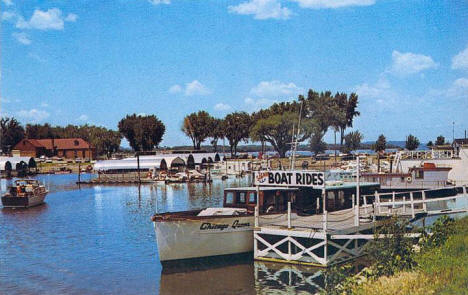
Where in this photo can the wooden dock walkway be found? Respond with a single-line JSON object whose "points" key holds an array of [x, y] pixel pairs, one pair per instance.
{"points": [[335, 237]]}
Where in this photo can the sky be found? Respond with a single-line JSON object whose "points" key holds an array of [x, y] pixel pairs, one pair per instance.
{"points": [[76, 62]]}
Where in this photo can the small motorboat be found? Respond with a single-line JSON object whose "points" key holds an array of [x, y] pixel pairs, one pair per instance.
{"points": [[24, 193]]}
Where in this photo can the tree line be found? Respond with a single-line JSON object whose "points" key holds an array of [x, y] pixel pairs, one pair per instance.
{"points": [[306, 119]]}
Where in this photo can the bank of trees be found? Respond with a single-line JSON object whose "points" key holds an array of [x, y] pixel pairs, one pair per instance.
{"points": [[278, 124]]}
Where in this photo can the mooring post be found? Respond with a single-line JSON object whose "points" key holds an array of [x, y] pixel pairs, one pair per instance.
{"points": [[256, 216], [404, 204], [365, 204], [358, 189], [423, 193], [289, 215], [412, 205], [324, 215], [377, 200]]}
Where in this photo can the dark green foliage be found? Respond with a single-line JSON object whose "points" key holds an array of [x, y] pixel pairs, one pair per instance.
{"points": [[380, 144], [440, 140], [439, 231], [394, 251], [198, 126], [430, 143], [105, 141], [412, 142], [11, 133], [216, 132], [143, 133], [236, 129], [353, 141]]}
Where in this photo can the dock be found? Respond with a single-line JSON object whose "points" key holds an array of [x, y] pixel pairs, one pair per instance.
{"points": [[335, 237]]}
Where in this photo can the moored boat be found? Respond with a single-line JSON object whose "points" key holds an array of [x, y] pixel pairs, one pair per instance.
{"points": [[218, 231], [24, 193]]}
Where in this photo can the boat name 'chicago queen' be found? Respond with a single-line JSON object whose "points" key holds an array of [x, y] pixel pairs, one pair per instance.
{"points": [[216, 226]]}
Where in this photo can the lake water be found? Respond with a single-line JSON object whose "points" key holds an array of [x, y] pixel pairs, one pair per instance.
{"points": [[100, 240]]}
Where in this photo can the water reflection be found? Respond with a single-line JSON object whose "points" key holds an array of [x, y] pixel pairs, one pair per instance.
{"points": [[245, 277]]}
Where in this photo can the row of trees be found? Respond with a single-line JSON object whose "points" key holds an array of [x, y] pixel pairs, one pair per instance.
{"points": [[278, 124], [106, 141]]}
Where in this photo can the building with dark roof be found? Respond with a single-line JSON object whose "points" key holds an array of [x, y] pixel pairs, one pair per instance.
{"points": [[70, 148]]}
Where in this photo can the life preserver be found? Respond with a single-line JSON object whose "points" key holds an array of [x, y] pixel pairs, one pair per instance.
{"points": [[409, 179]]}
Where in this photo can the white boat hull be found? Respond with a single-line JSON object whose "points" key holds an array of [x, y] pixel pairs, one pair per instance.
{"points": [[196, 238]]}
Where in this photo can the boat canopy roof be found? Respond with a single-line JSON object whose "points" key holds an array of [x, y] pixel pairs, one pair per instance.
{"points": [[26, 181], [262, 188]]}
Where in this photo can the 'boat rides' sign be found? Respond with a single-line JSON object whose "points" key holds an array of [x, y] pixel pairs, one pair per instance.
{"points": [[313, 179]]}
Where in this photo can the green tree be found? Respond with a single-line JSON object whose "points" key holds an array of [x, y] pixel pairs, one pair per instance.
{"points": [[321, 109], [38, 131], [278, 131], [381, 144], [412, 142], [345, 113], [143, 133], [216, 132], [317, 145], [236, 129], [353, 141], [11, 132], [392, 252], [440, 140], [430, 144], [197, 126]]}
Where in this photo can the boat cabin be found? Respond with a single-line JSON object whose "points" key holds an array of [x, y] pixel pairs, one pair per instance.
{"points": [[24, 187], [304, 200], [271, 199]]}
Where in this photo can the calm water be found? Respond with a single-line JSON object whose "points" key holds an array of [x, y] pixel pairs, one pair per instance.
{"points": [[100, 240]]}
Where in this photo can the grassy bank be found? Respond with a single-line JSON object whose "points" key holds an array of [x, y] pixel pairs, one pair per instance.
{"points": [[442, 269]]}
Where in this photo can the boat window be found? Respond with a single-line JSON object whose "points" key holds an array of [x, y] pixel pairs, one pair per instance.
{"points": [[241, 198], [229, 197], [252, 197], [419, 174]]}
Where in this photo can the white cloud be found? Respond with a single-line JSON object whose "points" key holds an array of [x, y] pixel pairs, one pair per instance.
{"points": [[71, 17], [196, 88], [190, 89], [259, 103], [157, 2], [317, 4], [8, 2], [52, 19], [275, 89], [222, 107], [175, 89], [378, 90], [8, 15], [262, 9], [459, 88], [33, 115], [22, 38], [460, 61], [83, 118], [410, 63]]}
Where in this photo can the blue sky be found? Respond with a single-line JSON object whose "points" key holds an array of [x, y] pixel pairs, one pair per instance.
{"points": [[96, 61]]}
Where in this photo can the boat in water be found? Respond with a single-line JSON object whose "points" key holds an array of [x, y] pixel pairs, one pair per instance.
{"points": [[24, 193], [218, 231], [215, 232]]}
